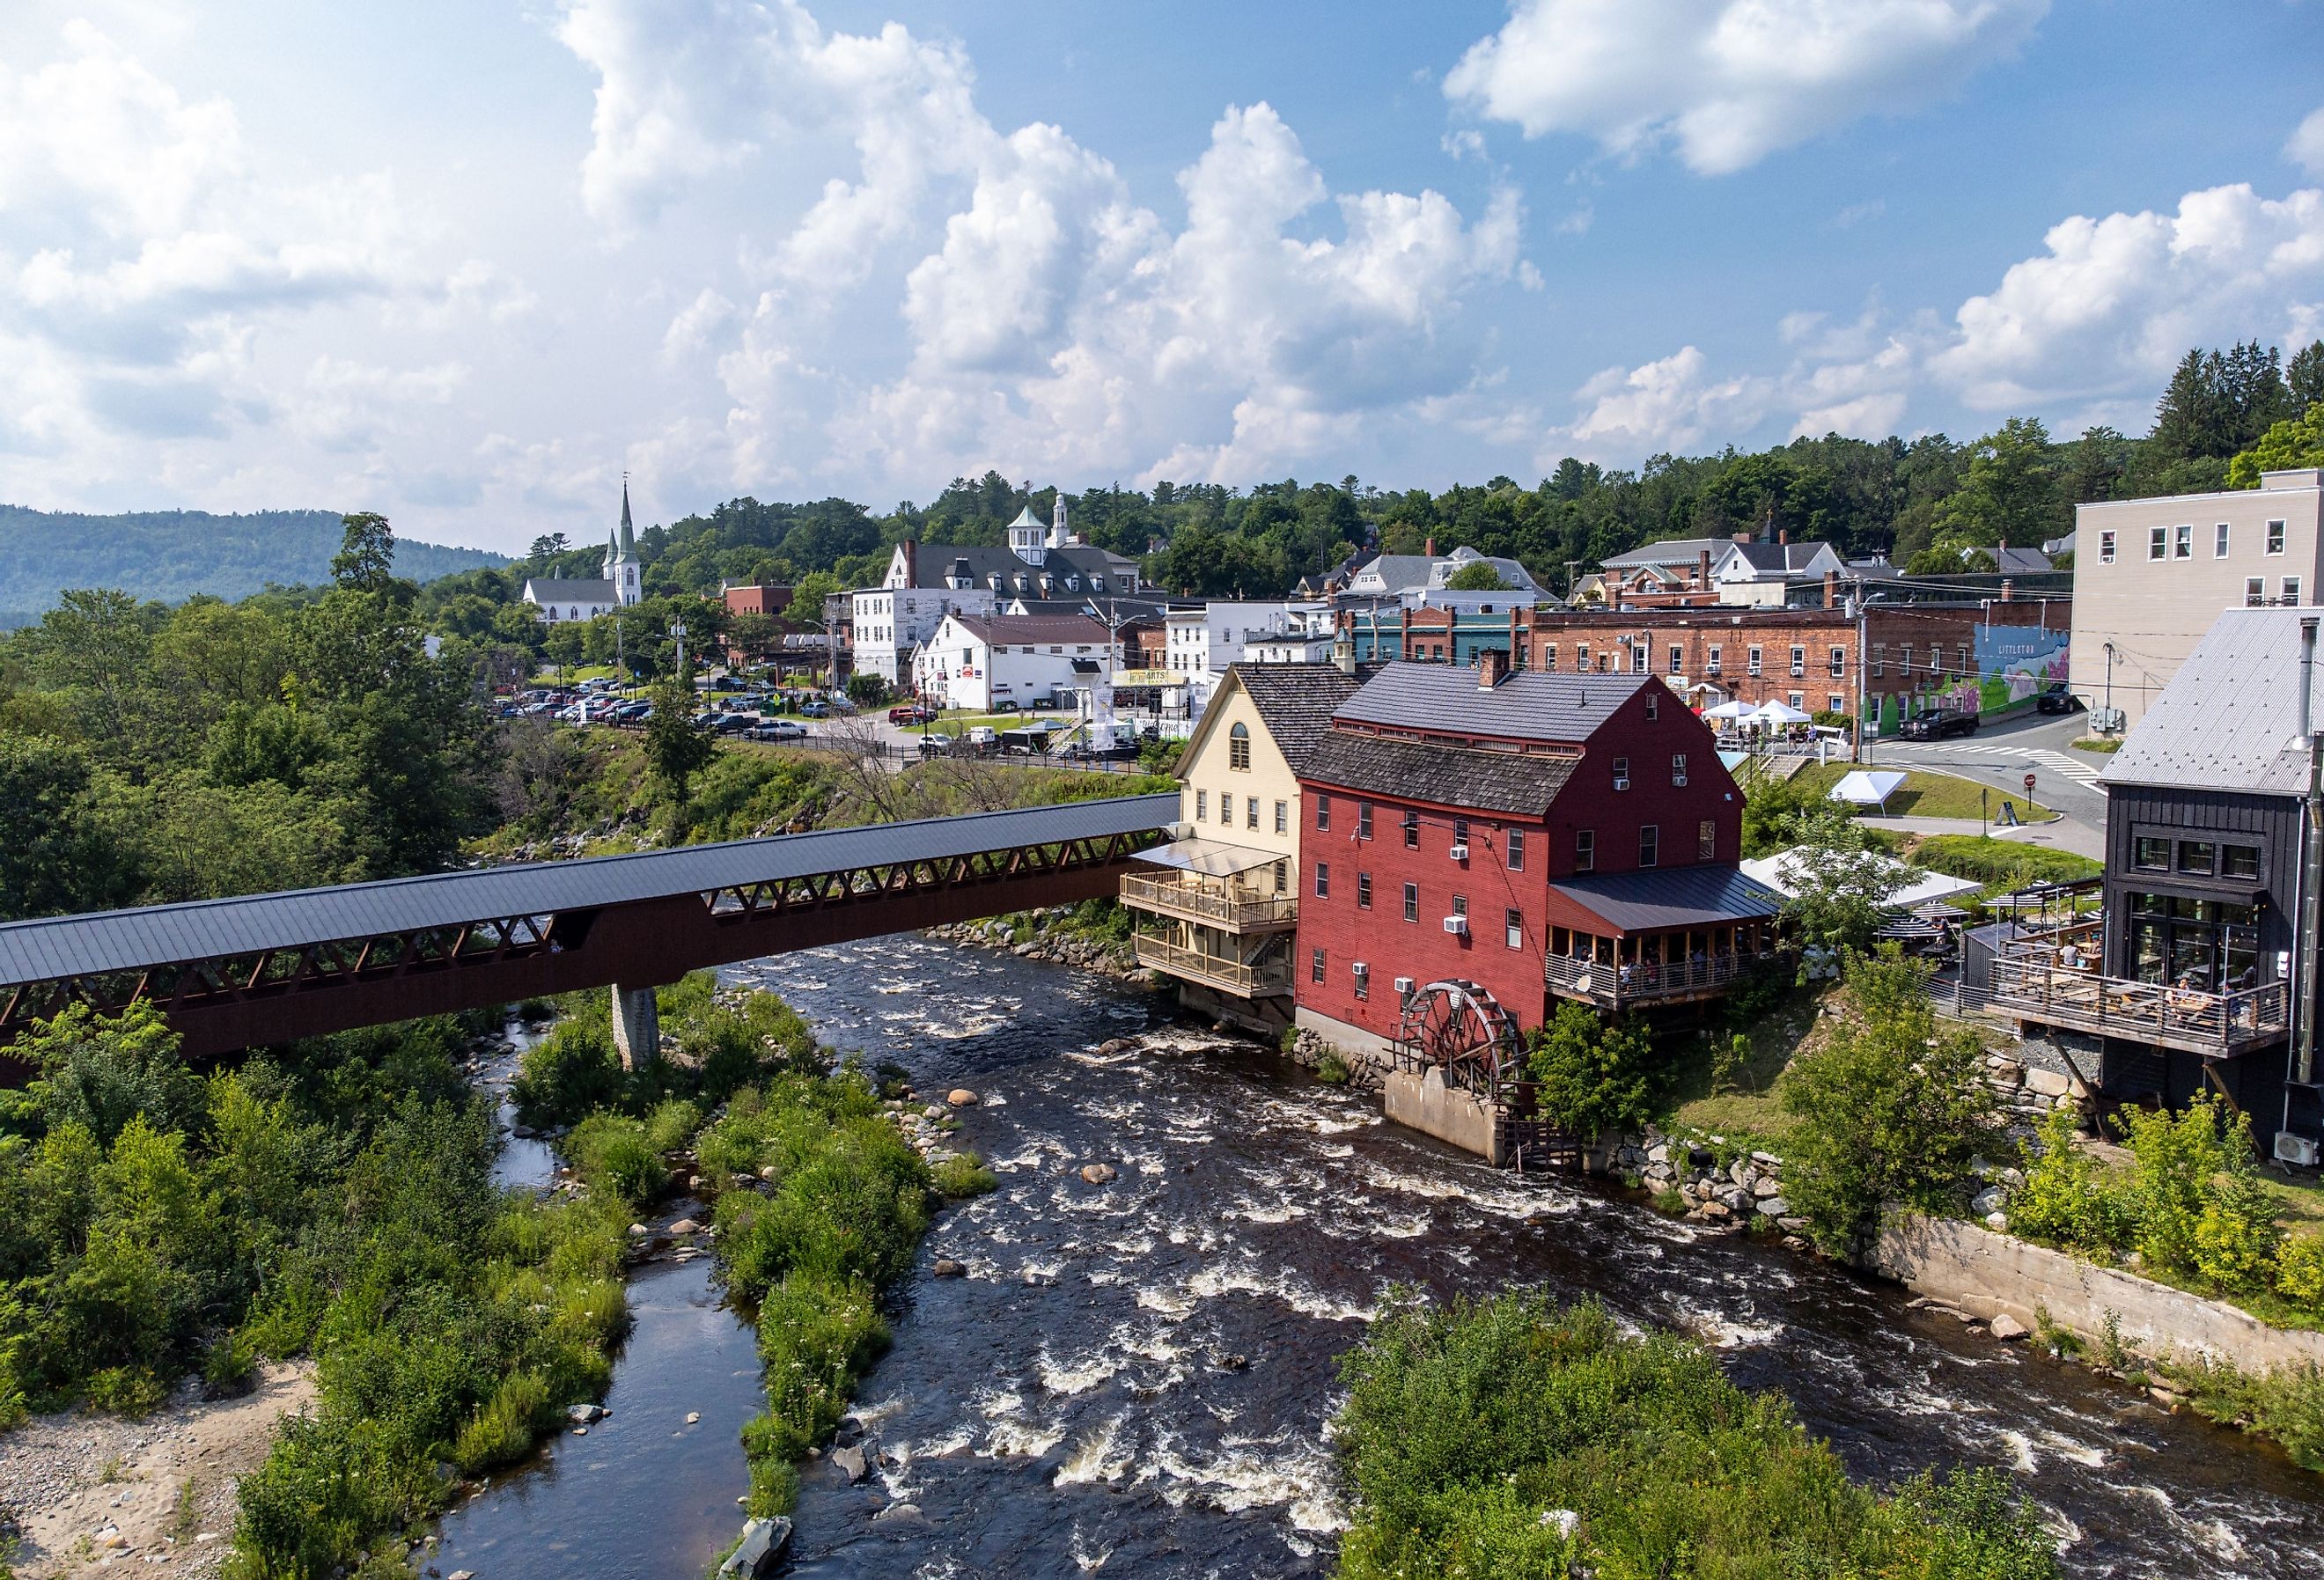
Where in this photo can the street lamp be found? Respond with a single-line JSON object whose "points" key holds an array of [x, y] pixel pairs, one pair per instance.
{"points": [[678, 634]]}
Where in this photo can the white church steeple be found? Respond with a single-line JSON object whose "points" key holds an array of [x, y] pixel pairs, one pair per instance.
{"points": [[622, 566]]}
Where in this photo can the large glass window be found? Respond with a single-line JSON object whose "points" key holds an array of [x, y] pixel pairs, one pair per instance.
{"points": [[2208, 945], [2239, 861], [2197, 855], [2151, 855]]}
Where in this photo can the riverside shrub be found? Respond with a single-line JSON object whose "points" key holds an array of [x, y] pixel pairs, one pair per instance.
{"points": [[1891, 1109], [1590, 1077], [1514, 1439], [2066, 1200]]}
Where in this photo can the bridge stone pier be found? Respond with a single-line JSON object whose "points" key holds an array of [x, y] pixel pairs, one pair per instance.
{"points": [[265, 968], [637, 1026]]}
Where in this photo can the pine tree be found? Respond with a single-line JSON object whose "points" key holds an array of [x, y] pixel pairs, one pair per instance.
{"points": [[2304, 381], [2192, 419]]}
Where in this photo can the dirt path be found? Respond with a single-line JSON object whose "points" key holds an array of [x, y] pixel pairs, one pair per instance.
{"points": [[88, 1493]]}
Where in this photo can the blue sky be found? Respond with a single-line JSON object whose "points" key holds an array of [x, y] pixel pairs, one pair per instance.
{"points": [[467, 262]]}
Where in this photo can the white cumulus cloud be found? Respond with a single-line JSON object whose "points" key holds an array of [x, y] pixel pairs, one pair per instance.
{"points": [[2306, 147], [1728, 81], [1672, 404]]}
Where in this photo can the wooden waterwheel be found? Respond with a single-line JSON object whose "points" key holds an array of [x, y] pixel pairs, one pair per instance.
{"points": [[1463, 1030]]}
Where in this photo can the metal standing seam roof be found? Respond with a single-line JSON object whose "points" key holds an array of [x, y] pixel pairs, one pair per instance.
{"points": [[1527, 706], [48, 948], [2229, 719], [1661, 897]]}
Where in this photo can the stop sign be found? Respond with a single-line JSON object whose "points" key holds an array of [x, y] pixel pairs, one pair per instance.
{"points": [[2029, 785]]}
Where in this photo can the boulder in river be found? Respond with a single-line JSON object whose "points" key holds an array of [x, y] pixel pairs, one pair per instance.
{"points": [[960, 1098], [1099, 1173], [948, 1268], [686, 1226], [761, 1548], [2006, 1326], [849, 1462]]}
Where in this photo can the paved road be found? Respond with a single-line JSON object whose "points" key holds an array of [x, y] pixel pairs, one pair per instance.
{"points": [[2001, 756]]}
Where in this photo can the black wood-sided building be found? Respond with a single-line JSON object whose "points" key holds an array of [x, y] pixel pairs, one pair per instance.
{"points": [[2205, 821]]}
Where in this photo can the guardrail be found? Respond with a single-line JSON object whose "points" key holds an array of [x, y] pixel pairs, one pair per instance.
{"points": [[1202, 902], [2183, 1017], [1211, 970], [1643, 981]]}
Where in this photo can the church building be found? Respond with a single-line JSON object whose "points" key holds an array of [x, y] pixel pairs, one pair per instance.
{"points": [[560, 599]]}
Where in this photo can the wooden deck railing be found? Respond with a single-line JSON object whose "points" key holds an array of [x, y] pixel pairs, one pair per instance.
{"points": [[1643, 981], [1213, 902], [1211, 970], [2146, 1011]]}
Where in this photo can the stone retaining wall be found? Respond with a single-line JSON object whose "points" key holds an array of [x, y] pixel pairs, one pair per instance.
{"points": [[1988, 1275]]}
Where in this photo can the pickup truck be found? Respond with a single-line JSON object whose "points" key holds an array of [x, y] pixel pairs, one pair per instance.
{"points": [[1936, 727]]}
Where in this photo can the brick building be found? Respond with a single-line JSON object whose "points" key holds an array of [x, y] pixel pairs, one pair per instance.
{"points": [[1541, 835], [1984, 654]]}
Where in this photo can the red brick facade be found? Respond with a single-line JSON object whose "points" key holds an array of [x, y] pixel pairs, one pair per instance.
{"points": [[1341, 868], [1806, 658]]}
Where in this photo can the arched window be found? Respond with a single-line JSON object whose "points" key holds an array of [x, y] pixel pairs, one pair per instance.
{"points": [[573, 613], [1238, 747]]}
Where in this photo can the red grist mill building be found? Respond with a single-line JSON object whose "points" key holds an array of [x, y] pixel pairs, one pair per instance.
{"points": [[1541, 835]]}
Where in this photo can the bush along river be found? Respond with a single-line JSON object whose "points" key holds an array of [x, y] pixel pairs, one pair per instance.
{"points": [[1133, 1373]]}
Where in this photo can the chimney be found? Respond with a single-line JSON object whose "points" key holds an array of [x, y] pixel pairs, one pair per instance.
{"points": [[1742, 537], [1831, 589], [1702, 569], [1783, 534], [2008, 589], [1492, 667], [912, 562], [1431, 549]]}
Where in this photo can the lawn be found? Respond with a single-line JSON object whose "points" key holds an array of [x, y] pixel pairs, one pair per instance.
{"points": [[1927, 795]]}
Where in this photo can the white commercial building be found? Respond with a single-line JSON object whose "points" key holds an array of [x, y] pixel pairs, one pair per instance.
{"points": [[2151, 576], [979, 662]]}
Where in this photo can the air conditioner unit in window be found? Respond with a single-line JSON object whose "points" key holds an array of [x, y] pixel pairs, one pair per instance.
{"points": [[1621, 781], [1404, 987], [1459, 852], [1678, 779], [2292, 1149], [1457, 925]]}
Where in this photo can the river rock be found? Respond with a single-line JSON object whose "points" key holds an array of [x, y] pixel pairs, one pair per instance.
{"points": [[1988, 1200], [693, 1417], [1659, 1152], [583, 1414], [761, 1548], [1715, 1209], [960, 1098], [1997, 1222], [2046, 1083], [947, 1268], [1099, 1173], [686, 1226], [900, 1511], [2006, 1326], [1763, 1187], [1772, 1207], [849, 1462]]}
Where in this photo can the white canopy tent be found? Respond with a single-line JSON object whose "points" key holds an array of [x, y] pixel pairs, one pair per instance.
{"points": [[1867, 787], [1771, 712], [1730, 710]]}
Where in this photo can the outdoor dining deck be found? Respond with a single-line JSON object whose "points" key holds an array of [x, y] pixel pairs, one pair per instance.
{"points": [[2034, 986]]}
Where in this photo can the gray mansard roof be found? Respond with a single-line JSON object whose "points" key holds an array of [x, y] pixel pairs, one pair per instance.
{"points": [[2229, 719]]}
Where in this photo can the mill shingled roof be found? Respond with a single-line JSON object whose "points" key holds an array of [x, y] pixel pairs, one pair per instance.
{"points": [[1521, 784], [1295, 702]]}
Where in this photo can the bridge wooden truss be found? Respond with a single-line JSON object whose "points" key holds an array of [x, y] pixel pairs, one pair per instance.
{"points": [[269, 968]]}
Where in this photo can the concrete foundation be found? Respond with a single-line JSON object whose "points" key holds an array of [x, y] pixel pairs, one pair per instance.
{"points": [[637, 1026], [1428, 1106], [1987, 1274]]}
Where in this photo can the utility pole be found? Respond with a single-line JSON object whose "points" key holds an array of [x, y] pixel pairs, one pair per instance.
{"points": [[2109, 686], [1862, 741], [2311, 865]]}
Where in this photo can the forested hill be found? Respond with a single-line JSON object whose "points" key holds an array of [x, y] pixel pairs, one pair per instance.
{"points": [[173, 554]]}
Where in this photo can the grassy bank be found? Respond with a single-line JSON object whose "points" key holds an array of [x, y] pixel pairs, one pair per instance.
{"points": [[1514, 1440], [1925, 794], [331, 1199]]}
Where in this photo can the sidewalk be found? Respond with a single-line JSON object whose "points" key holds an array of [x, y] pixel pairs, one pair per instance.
{"points": [[2058, 834]]}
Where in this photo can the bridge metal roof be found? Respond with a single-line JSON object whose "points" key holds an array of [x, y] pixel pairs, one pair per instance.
{"points": [[53, 947]]}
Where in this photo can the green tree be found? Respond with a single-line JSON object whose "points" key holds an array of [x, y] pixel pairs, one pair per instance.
{"points": [[62, 851], [1590, 1077], [365, 562], [1478, 576], [2304, 378], [2286, 446], [2010, 494], [1891, 1109], [675, 748]]}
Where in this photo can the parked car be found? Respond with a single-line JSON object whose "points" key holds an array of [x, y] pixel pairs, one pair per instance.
{"points": [[1936, 727], [2056, 699], [910, 713], [776, 729], [735, 723], [815, 710]]}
